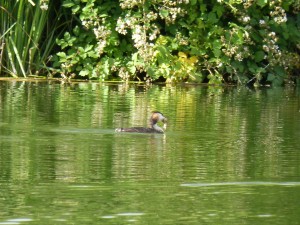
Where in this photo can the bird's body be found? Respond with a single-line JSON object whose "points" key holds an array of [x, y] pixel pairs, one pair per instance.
{"points": [[154, 128]]}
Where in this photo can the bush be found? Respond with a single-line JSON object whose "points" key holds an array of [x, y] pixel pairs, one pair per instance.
{"points": [[218, 41]]}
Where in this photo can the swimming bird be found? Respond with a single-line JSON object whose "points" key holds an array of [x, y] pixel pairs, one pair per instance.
{"points": [[154, 128]]}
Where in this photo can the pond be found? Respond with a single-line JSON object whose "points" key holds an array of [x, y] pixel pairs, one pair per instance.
{"points": [[230, 155]]}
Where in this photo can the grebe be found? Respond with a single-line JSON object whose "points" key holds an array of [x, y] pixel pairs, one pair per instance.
{"points": [[154, 128]]}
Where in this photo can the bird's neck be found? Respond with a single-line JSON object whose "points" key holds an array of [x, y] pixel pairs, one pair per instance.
{"points": [[157, 128]]}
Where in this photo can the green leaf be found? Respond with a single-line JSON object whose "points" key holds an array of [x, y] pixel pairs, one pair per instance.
{"points": [[61, 54], [271, 77], [217, 52], [161, 40], [75, 60], [135, 57], [203, 8], [239, 66], [162, 51], [88, 48], [93, 54], [132, 69], [279, 70], [150, 71], [193, 2], [174, 45], [81, 50], [106, 67], [212, 18], [164, 13], [60, 42], [76, 30], [219, 9], [75, 9], [217, 48], [78, 68], [84, 72], [217, 44], [252, 67], [68, 3], [200, 23], [277, 82], [262, 3], [259, 56], [67, 36], [276, 79]]}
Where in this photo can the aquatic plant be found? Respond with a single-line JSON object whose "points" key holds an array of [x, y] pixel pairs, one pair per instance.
{"points": [[26, 36]]}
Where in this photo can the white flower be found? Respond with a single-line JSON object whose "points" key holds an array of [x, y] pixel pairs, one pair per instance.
{"points": [[44, 6], [246, 19], [265, 48], [262, 22]]}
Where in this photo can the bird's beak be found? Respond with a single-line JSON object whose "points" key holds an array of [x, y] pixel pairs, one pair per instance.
{"points": [[165, 123]]}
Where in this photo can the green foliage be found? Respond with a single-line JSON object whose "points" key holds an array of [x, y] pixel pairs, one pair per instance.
{"points": [[26, 36], [80, 55], [216, 41]]}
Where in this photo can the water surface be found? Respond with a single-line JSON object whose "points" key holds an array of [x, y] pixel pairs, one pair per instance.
{"points": [[229, 156]]}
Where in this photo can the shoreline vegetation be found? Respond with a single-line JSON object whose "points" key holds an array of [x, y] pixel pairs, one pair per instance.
{"points": [[215, 42], [60, 80]]}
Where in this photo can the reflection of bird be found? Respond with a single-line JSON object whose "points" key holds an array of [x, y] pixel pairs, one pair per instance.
{"points": [[154, 128]]}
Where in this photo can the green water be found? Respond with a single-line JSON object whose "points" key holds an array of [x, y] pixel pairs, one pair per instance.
{"points": [[229, 156]]}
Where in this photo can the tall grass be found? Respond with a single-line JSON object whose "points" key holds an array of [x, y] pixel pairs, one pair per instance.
{"points": [[26, 36]]}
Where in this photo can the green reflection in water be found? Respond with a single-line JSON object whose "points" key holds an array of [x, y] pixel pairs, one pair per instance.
{"points": [[229, 156]]}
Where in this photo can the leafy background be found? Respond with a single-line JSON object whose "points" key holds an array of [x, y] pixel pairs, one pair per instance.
{"points": [[216, 41]]}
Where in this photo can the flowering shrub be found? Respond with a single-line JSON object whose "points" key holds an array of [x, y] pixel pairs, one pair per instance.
{"points": [[217, 41]]}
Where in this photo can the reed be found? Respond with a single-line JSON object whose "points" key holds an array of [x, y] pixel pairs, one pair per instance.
{"points": [[26, 36]]}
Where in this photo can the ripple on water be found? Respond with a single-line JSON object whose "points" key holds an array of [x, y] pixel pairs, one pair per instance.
{"points": [[16, 221], [254, 183], [129, 214]]}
